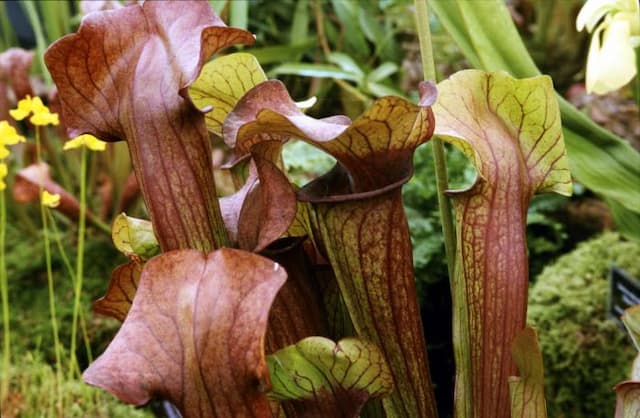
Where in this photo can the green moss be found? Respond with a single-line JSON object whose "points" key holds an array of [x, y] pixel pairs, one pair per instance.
{"points": [[32, 390], [585, 354]]}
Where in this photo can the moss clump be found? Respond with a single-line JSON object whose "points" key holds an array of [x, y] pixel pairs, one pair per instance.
{"points": [[33, 393], [585, 354]]}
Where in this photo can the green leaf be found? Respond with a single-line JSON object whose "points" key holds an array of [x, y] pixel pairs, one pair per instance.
{"points": [[329, 379], [134, 237], [383, 71], [380, 90], [222, 82], [347, 63], [527, 390], [511, 130], [282, 53], [347, 12], [314, 70], [300, 24], [195, 335]]}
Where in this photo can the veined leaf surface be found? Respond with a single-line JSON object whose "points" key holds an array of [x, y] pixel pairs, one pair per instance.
{"points": [[195, 335], [511, 131], [123, 76], [329, 379]]}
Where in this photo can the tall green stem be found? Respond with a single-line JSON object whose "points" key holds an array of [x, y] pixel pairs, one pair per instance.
{"points": [[52, 301], [439, 158], [4, 291], [79, 259], [72, 275]]}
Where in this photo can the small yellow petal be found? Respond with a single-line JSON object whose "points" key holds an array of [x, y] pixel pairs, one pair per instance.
{"points": [[87, 140], [94, 144], [44, 118], [4, 152], [3, 174], [50, 199], [23, 110], [8, 134], [76, 142]]}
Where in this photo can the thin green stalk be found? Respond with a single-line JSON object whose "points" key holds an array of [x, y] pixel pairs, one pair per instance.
{"points": [[79, 259], [72, 274], [439, 158], [52, 301], [4, 290], [41, 43]]}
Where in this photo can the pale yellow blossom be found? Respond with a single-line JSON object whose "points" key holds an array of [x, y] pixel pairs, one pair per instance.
{"points": [[616, 32]]}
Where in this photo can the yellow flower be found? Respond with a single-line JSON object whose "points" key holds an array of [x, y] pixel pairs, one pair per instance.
{"points": [[23, 110], [612, 62], [41, 114], [3, 174], [8, 136], [51, 200], [89, 141]]}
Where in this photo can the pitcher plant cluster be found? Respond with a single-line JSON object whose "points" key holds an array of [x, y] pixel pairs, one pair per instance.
{"points": [[278, 301]]}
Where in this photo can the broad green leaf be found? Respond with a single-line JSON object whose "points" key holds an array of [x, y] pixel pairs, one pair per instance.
{"points": [[315, 70], [134, 237], [527, 390], [628, 399], [195, 335], [221, 83], [511, 130], [600, 160], [329, 379], [358, 220], [143, 58], [121, 291]]}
